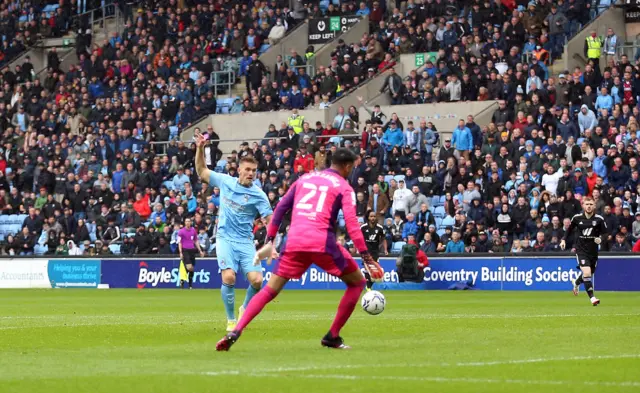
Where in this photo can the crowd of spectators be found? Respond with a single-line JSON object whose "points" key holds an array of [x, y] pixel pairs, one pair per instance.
{"points": [[287, 84], [23, 23], [77, 158], [500, 51]]}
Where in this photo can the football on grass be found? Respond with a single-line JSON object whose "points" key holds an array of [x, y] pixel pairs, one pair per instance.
{"points": [[373, 302]]}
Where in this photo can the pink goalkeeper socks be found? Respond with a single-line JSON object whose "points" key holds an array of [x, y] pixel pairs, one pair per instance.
{"points": [[346, 307], [257, 303]]}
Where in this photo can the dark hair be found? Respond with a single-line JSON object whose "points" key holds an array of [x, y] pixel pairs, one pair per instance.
{"points": [[343, 157], [249, 160]]}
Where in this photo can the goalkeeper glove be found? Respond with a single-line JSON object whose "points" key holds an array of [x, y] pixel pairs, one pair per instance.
{"points": [[373, 267], [267, 252]]}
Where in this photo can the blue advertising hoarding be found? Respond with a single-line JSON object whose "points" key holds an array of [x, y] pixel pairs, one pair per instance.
{"points": [[74, 273], [617, 274], [485, 273], [157, 273]]}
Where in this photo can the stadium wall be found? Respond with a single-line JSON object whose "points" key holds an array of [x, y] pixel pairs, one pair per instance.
{"points": [[249, 127], [507, 273], [444, 116], [367, 90], [38, 56]]}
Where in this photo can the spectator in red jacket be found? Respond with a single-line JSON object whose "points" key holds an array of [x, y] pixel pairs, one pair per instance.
{"points": [[636, 247], [305, 160]]}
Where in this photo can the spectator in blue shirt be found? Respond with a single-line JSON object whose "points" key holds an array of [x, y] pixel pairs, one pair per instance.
{"points": [[363, 10], [604, 101], [393, 137], [410, 227], [180, 179], [455, 245], [462, 139]]}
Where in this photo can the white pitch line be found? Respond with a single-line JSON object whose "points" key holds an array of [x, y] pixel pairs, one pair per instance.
{"points": [[422, 365], [456, 380], [273, 374], [544, 360]]}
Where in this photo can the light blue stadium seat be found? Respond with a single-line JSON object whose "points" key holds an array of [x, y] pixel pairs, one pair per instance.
{"points": [[220, 106], [448, 221], [397, 247], [439, 212], [438, 222], [440, 232], [387, 178], [397, 178], [1, 236], [115, 248], [224, 104]]}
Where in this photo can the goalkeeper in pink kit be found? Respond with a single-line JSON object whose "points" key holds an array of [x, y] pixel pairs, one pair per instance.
{"points": [[315, 200]]}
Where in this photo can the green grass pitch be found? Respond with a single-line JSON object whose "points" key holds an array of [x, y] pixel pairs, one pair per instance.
{"points": [[164, 341]]}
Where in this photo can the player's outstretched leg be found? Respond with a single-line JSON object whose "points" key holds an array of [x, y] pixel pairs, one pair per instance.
{"points": [[228, 292], [355, 284], [255, 283], [588, 285], [367, 276], [576, 284], [256, 305]]}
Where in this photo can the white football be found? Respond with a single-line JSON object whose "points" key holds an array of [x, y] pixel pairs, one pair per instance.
{"points": [[373, 302]]}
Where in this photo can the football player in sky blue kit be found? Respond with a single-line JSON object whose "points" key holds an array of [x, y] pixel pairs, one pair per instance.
{"points": [[240, 203]]}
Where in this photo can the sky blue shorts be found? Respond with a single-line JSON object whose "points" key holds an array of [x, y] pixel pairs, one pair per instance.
{"points": [[236, 256]]}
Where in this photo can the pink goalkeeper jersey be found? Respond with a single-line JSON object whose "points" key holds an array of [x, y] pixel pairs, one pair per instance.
{"points": [[315, 200]]}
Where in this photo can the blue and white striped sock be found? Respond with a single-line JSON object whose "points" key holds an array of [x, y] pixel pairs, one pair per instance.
{"points": [[229, 300]]}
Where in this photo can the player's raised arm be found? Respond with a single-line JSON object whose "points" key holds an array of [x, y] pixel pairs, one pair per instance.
{"points": [[206, 175]]}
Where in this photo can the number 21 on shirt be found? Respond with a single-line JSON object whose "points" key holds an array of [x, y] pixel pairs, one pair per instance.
{"points": [[311, 192]]}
